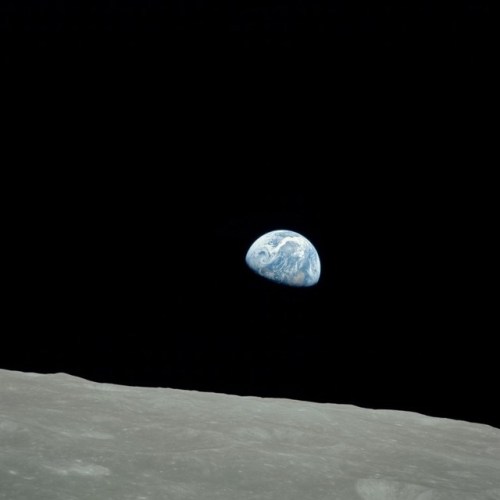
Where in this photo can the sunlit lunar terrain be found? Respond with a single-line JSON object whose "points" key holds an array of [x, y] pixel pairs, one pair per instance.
{"points": [[66, 438]]}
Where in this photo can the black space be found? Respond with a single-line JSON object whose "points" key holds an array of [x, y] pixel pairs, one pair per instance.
{"points": [[148, 144]]}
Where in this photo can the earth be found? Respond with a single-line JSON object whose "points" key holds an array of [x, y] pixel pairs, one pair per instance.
{"points": [[285, 257]]}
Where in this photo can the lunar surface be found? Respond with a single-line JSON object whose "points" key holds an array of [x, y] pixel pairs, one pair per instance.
{"points": [[285, 257], [66, 438]]}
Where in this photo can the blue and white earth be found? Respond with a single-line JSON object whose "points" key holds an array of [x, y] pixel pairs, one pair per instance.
{"points": [[285, 257]]}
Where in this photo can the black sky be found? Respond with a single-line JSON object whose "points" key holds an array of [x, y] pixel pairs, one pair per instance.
{"points": [[152, 143]]}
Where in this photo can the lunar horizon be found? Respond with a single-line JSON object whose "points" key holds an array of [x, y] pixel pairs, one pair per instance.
{"points": [[64, 437]]}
